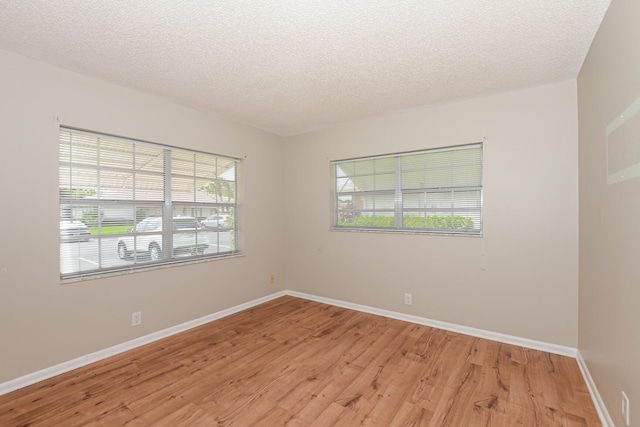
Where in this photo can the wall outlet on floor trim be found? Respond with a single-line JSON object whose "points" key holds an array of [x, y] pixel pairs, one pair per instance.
{"points": [[408, 299], [136, 318]]}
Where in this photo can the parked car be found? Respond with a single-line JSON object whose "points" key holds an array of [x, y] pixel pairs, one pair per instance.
{"points": [[70, 229], [217, 221], [184, 241]]}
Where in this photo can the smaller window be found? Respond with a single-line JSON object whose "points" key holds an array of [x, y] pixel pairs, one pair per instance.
{"points": [[435, 191]]}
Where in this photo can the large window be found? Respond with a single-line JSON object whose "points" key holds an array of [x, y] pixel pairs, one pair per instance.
{"points": [[437, 191], [127, 204]]}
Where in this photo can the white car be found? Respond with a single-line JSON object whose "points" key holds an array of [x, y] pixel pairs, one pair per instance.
{"points": [[194, 242], [217, 221], [70, 229]]}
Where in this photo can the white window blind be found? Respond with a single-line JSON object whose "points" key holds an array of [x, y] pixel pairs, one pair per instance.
{"points": [[127, 204], [438, 191]]}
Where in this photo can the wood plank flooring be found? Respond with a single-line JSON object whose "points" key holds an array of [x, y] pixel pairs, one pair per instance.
{"points": [[293, 362]]}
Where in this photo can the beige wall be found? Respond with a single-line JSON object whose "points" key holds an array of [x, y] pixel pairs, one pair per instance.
{"points": [[43, 322], [521, 278], [609, 317]]}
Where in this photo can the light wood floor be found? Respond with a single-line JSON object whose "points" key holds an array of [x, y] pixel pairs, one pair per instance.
{"points": [[300, 363]]}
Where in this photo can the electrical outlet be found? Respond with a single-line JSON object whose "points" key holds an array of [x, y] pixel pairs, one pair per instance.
{"points": [[136, 318], [625, 408], [408, 299], [272, 279]]}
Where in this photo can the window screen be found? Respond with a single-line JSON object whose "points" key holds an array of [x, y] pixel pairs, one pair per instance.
{"points": [[438, 191], [127, 204]]}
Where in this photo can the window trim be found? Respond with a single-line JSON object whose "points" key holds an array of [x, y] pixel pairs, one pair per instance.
{"points": [[398, 192], [167, 206]]}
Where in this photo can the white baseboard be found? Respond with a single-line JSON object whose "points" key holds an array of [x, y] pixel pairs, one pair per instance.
{"points": [[480, 333], [605, 418], [81, 361], [70, 365]]}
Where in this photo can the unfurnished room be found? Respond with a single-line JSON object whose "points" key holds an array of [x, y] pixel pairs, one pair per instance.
{"points": [[323, 213]]}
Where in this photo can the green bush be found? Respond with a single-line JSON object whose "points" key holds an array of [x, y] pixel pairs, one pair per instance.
{"points": [[433, 222], [90, 217], [370, 221]]}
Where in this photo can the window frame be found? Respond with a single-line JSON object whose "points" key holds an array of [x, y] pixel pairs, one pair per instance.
{"points": [[160, 205], [395, 217]]}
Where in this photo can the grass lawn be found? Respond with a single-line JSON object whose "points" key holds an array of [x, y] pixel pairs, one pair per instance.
{"points": [[111, 229]]}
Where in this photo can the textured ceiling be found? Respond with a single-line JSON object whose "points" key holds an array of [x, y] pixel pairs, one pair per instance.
{"points": [[291, 66]]}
